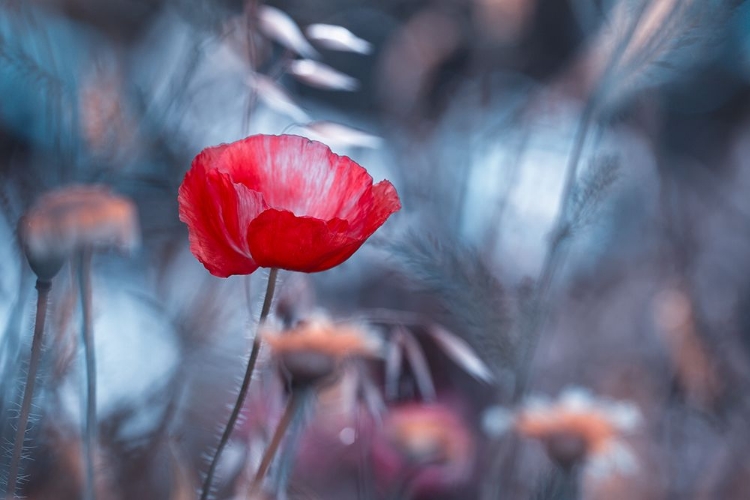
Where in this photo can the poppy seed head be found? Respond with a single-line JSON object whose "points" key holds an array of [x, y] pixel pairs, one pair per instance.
{"points": [[74, 218]]}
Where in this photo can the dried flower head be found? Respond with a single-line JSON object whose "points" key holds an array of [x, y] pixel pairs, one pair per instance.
{"points": [[315, 347], [73, 218], [423, 447], [578, 427], [428, 434]]}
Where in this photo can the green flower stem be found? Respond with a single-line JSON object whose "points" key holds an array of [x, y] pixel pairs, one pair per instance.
{"points": [[43, 288], [89, 424], [243, 389]]}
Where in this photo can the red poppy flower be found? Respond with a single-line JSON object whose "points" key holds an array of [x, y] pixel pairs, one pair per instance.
{"points": [[279, 201]]}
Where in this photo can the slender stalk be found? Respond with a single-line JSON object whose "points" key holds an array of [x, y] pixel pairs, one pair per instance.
{"points": [[243, 388], [501, 205], [364, 479], [9, 348], [294, 403], [89, 425], [281, 474], [43, 288], [555, 256], [498, 477], [570, 483], [402, 488], [561, 228], [535, 320]]}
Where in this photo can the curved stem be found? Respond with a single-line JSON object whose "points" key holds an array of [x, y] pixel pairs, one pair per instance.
{"points": [[243, 388], [43, 288], [89, 430], [295, 400]]}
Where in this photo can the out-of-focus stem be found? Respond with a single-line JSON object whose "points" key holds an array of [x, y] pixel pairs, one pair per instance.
{"points": [[9, 348], [402, 488], [285, 463], [364, 479], [560, 232], [294, 403], [243, 388], [537, 317], [561, 228], [43, 288], [89, 425]]}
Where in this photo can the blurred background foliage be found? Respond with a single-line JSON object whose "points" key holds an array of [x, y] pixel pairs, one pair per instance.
{"points": [[572, 174]]}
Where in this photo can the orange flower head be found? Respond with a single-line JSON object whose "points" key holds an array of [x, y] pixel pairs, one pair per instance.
{"points": [[578, 426], [575, 428], [73, 218], [314, 348], [428, 434]]}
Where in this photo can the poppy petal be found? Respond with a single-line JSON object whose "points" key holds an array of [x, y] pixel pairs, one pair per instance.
{"points": [[280, 201], [278, 238], [385, 202], [299, 175], [206, 200]]}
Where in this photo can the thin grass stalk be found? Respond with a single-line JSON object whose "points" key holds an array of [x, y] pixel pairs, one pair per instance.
{"points": [[364, 476], [404, 484], [296, 398], [514, 169], [282, 473], [89, 424], [243, 388], [561, 228], [9, 343], [43, 288], [554, 256], [251, 15]]}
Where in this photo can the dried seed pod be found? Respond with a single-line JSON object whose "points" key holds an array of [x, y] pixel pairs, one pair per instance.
{"points": [[579, 428], [312, 351], [73, 218], [428, 434]]}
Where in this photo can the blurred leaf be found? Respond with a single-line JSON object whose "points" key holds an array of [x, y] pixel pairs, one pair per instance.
{"points": [[336, 134], [276, 98], [460, 352], [393, 366], [334, 37], [321, 76], [281, 28], [418, 363]]}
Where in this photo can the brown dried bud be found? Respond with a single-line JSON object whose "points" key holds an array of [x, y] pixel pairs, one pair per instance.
{"points": [[312, 351], [71, 219]]}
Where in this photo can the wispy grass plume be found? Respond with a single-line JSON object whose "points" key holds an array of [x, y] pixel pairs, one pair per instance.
{"points": [[473, 297], [654, 42], [591, 190]]}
